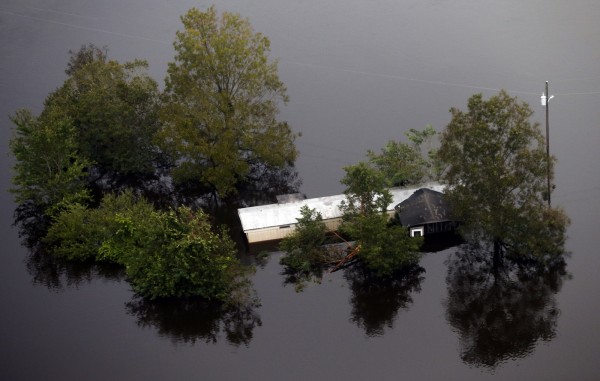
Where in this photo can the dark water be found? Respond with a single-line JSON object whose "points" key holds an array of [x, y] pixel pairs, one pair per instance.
{"points": [[357, 75]]}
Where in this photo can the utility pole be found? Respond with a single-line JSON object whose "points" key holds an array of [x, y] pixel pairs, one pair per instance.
{"points": [[545, 103]]}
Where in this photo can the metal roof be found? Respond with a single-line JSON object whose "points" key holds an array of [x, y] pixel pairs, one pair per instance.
{"points": [[423, 207], [265, 216]]}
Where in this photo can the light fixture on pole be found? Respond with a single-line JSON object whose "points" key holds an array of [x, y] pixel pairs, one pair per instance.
{"points": [[545, 103]]}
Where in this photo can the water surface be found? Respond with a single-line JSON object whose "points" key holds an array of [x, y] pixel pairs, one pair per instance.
{"points": [[357, 75]]}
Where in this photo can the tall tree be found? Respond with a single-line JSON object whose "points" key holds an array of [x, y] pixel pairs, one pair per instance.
{"points": [[48, 170], [496, 176], [114, 110], [401, 163], [405, 164], [221, 103], [366, 190]]}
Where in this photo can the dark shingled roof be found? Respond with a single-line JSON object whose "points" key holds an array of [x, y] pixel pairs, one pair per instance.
{"points": [[425, 206]]}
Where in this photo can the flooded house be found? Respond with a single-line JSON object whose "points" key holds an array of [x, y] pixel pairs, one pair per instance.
{"points": [[275, 221], [425, 212]]}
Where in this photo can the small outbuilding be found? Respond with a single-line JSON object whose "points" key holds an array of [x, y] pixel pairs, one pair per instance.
{"points": [[425, 212]]}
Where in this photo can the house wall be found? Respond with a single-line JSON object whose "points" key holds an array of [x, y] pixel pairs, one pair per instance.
{"points": [[280, 232]]}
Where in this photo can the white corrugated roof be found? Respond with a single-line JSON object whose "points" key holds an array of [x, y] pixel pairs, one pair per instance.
{"points": [[265, 216]]}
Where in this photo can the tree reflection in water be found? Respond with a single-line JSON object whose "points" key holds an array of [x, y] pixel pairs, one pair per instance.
{"points": [[181, 320], [57, 274], [376, 301], [500, 313], [192, 320]]}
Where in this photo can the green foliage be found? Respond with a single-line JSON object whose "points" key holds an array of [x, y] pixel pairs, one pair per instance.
{"points": [[366, 190], [400, 163], [424, 141], [85, 55], [304, 247], [221, 102], [48, 170], [78, 232], [113, 109], [384, 247], [175, 254], [538, 236], [418, 138], [496, 175], [404, 164], [165, 254]]}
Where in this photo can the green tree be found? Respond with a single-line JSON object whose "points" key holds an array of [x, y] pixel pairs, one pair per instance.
{"points": [[384, 247], [176, 254], [496, 177], [113, 108], [400, 163], [48, 170], [79, 231], [425, 142], [221, 103], [166, 254], [85, 55], [304, 246], [366, 190], [405, 164]]}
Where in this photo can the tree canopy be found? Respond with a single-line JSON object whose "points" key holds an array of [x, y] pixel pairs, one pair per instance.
{"points": [[113, 109], [172, 253], [221, 103], [405, 164], [48, 169], [109, 130], [496, 176]]}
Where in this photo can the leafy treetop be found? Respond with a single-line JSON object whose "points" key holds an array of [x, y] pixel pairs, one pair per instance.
{"points": [[221, 103], [496, 176]]}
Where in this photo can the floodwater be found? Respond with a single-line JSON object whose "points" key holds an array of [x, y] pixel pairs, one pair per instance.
{"points": [[357, 74]]}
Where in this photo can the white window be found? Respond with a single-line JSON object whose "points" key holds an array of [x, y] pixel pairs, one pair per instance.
{"points": [[417, 231]]}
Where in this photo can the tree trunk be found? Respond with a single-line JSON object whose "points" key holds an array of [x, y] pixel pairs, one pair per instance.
{"points": [[498, 253]]}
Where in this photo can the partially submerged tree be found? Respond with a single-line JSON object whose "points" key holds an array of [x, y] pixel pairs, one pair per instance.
{"points": [[366, 190], [384, 247], [113, 109], [304, 246], [221, 103], [306, 255], [173, 253], [405, 164], [84, 56], [48, 170], [496, 177], [400, 163]]}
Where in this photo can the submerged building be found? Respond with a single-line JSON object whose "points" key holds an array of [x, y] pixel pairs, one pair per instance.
{"points": [[275, 221], [425, 212]]}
